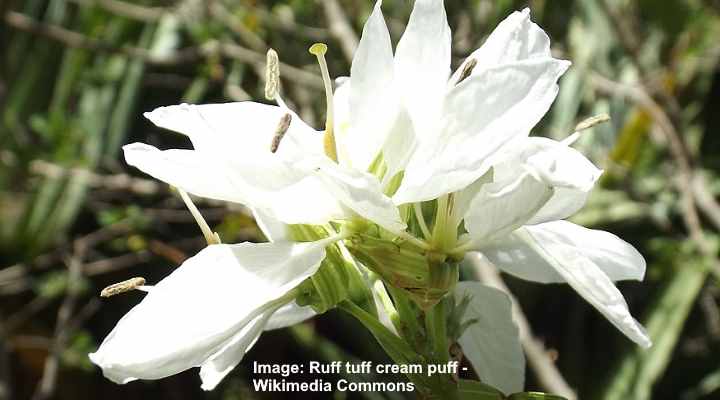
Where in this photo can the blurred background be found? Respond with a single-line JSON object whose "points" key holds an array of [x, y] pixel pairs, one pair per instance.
{"points": [[76, 76]]}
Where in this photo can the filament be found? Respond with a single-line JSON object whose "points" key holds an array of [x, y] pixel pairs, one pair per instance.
{"points": [[319, 50]]}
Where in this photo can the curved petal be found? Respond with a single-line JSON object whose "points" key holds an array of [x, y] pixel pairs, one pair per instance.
{"points": [[580, 265], [289, 192], [274, 230], [564, 168], [501, 207], [516, 38], [214, 370], [480, 116], [289, 315], [615, 257], [361, 193], [202, 306], [371, 99], [492, 344], [240, 129], [422, 63]]}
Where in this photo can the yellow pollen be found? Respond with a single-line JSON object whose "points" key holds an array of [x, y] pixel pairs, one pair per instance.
{"points": [[319, 50], [122, 287], [272, 75]]}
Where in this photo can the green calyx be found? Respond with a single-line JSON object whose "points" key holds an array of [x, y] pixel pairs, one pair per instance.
{"points": [[426, 276], [336, 280]]}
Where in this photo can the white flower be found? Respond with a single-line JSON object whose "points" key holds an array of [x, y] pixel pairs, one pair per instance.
{"points": [[401, 131], [209, 312]]}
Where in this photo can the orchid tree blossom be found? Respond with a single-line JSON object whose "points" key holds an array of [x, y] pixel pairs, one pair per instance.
{"points": [[415, 169]]}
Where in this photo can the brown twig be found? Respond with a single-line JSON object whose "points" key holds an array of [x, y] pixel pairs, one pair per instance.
{"points": [[126, 9], [547, 373], [340, 28], [209, 49], [46, 387]]}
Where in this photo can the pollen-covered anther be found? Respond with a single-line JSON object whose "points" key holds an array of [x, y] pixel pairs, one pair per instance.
{"points": [[280, 131], [585, 125], [122, 287], [467, 69], [272, 75]]}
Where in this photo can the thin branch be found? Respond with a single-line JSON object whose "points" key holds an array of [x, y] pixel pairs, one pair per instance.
{"points": [[547, 373], [48, 382], [125, 9], [183, 56], [340, 28]]}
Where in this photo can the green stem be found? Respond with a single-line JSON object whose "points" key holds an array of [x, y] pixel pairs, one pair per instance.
{"points": [[436, 327]]}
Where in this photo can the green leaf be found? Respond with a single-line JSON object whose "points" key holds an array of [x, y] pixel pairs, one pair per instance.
{"points": [[534, 396]]}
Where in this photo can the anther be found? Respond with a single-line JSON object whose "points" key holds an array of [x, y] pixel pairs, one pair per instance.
{"points": [[467, 70], [584, 125], [272, 75], [122, 287], [280, 131], [210, 236], [319, 50]]}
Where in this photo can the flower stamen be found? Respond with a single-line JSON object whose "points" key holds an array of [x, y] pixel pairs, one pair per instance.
{"points": [[124, 286], [467, 70], [272, 75], [319, 50], [584, 125], [280, 131], [272, 79], [210, 236]]}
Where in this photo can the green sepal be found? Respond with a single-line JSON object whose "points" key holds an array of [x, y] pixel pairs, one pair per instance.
{"points": [[336, 280]]}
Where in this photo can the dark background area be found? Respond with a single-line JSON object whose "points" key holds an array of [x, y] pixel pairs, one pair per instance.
{"points": [[76, 75]]}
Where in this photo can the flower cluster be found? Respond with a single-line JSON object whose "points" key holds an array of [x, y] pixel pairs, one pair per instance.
{"points": [[416, 169]]}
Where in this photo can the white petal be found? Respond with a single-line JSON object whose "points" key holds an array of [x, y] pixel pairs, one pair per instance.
{"points": [[229, 356], [501, 207], [202, 306], [516, 38], [287, 191], [566, 169], [289, 315], [464, 198], [361, 192], [480, 116], [371, 99], [615, 257], [582, 271], [399, 144], [492, 344], [422, 63], [273, 229], [238, 129]]}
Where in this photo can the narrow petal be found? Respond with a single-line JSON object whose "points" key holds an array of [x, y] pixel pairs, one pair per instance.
{"points": [[422, 63], [361, 193], [237, 129], [372, 101], [202, 306], [289, 315], [501, 207], [274, 230], [492, 344], [480, 116], [516, 38], [289, 192], [616, 258], [564, 168], [581, 270], [216, 368]]}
